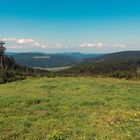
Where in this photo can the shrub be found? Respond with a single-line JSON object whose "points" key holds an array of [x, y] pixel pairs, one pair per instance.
{"points": [[10, 76]]}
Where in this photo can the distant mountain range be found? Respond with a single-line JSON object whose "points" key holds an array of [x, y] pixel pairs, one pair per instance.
{"points": [[50, 60]]}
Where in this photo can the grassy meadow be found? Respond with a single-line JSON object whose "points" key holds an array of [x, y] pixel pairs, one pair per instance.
{"points": [[68, 108], [56, 69]]}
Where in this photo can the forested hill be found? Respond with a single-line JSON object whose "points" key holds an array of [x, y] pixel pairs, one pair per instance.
{"points": [[121, 65], [115, 56], [44, 60]]}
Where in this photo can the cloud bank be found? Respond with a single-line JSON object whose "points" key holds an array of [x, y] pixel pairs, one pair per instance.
{"points": [[92, 45], [100, 45], [33, 45], [23, 41]]}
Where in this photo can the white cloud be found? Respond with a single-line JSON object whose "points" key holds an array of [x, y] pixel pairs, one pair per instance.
{"points": [[9, 39], [16, 47], [37, 44], [20, 41], [119, 46], [44, 46], [23, 41], [92, 45], [100, 45], [29, 43], [58, 45]]}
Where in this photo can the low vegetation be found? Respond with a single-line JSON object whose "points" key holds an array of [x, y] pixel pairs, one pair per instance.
{"points": [[7, 76], [70, 109]]}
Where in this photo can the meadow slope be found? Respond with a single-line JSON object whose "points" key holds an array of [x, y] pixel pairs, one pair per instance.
{"points": [[70, 108]]}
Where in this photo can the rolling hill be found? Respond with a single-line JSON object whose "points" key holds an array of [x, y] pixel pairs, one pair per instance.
{"points": [[50, 60], [121, 64], [125, 55]]}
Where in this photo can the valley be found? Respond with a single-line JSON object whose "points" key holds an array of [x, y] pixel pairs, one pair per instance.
{"points": [[70, 70]]}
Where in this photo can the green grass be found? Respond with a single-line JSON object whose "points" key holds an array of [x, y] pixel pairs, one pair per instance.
{"points": [[70, 108]]}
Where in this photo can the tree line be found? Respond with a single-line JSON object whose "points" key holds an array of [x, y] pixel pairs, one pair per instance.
{"points": [[11, 71], [125, 68]]}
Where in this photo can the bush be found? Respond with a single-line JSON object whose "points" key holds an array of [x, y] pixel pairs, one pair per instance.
{"points": [[10, 76]]}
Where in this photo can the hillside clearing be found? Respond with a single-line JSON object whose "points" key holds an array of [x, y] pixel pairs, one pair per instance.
{"points": [[56, 69], [81, 108]]}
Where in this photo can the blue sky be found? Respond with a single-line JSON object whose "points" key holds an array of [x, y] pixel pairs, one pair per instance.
{"points": [[93, 26]]}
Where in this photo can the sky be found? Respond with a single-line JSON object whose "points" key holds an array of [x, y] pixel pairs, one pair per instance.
{"points": [[87, 26]]}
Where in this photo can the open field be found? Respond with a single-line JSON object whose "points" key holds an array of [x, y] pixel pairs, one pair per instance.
{"points": [[55, 69], [70, 108]]}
